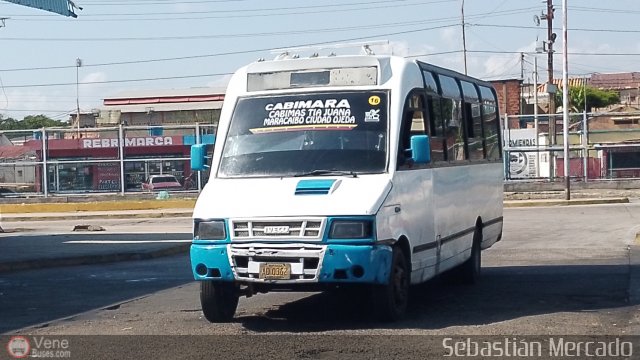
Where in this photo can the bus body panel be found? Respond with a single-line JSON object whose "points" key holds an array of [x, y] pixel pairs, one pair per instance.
{"points": [[462, 195], [412, 204]]}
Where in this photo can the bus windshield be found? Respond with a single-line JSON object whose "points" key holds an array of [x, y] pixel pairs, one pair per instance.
{"points": [[306, 134]]}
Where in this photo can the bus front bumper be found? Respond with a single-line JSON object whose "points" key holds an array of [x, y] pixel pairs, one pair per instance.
{"points": [[307, 263]]}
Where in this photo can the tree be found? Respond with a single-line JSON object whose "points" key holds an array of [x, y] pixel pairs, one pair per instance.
{"points": [[30, 122], [596, 98], [8, 123], [40, 121]]}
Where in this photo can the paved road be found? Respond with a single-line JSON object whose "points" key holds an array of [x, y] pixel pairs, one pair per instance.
{"points": [[558, 270], [43, 244], [39, 296]]}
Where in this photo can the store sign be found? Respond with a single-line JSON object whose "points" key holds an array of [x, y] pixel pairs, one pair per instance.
{"points": [[128, 142], [522, 164]]}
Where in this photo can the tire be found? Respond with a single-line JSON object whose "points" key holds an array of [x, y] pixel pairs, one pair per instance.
{"points": [[390, 301], [469, 271], [219, 300]]}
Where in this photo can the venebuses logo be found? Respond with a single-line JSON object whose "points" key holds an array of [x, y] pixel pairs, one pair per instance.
{"points": [[19, 347]]}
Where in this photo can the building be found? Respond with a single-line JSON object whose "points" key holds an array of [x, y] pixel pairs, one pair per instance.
{"points": [[158, 129], [509, 93], [627, 85]]}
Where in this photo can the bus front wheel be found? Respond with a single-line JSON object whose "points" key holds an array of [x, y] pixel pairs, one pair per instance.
{"points": [[390, 300], [469, 271], [219, 300]]}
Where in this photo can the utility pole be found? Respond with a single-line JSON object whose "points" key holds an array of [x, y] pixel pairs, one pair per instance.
{"points": [[521, 83], [550, 86], [565, 104], [464, 42]]}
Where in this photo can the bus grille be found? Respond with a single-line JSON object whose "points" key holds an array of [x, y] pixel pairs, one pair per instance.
{"points": [[307, 229], [305, 260]]}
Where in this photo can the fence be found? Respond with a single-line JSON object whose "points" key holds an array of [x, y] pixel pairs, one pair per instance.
{"points": [[602, 146], [118, 159]]}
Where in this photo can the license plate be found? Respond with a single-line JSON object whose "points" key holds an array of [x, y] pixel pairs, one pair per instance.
{"points": [[275, 271]]}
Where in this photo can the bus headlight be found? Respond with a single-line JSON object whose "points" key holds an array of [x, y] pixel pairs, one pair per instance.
{"points": [[351, 229], [209, 230]]}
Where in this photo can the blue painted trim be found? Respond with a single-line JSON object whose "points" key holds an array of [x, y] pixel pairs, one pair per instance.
{"points": [[314, 187]]}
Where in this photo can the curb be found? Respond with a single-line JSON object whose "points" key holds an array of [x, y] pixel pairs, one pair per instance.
{"points": [[558, 202], [105, 215], [97, 206], [35, 264]]}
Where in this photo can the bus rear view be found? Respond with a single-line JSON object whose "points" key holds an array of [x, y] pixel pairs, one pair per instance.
{"points": [[323, 179]]}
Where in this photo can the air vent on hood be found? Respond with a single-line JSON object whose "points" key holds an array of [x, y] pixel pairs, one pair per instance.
{"points": [[314, 187]]}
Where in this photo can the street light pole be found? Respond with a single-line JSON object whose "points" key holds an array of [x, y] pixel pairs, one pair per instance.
{"points": [[565, 102], [78, 64]]}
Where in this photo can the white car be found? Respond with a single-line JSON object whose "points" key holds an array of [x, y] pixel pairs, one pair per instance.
{"points": [[161, 182]]}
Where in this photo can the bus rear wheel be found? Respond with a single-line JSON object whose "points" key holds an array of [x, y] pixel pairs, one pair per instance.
{"points": [[219, 300], [390, 301]]}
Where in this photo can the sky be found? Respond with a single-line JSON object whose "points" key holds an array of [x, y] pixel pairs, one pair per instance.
{"points": [[127, 45]]}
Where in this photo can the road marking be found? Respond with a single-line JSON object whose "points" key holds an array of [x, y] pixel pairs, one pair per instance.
{"points": [[126, 241]]}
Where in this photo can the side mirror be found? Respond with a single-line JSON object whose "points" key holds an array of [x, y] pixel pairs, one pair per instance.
{"points": [[199, 157], [421, 149]]}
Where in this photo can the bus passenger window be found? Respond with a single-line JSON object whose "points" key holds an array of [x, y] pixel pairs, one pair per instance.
{"points": [[414, 122], [452, 112], [491, 124], [436, 117], [473, 125]]}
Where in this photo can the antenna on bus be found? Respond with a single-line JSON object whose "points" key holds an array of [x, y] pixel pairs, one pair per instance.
{"points": [[286, 53]]}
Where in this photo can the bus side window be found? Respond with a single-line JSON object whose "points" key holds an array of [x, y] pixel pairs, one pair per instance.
{"points": [[491, 125], [473, 126], [473, 122], [438, 150], [454, 132], [413, 124]]}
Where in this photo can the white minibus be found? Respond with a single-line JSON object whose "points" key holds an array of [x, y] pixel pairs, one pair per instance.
{"points": [[366, 171]]}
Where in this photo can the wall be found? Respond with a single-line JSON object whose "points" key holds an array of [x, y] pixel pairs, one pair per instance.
{"points": [[508, 92]]}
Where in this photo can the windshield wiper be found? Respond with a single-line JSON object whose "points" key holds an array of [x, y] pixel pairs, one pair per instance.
{"points": [[319, 172]]}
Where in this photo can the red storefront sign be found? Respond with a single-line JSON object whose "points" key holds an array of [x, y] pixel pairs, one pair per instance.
{"points": [[131, 142], [108, 147]]}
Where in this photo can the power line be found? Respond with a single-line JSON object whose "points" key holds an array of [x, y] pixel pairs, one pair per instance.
{"points": [[572, 29], [243, 15], [222, 36], [156, 2], [236, 11], [117, 81], [228, 52]]}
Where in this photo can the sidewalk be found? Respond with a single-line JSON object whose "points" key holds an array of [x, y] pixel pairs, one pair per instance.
{"points": [[128, 208]]}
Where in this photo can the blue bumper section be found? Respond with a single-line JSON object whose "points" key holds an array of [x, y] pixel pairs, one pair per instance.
{"points": [[341, 263], [215, 260]]}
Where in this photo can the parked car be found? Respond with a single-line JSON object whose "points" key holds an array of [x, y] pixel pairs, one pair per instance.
{"points": [[161, 182]]}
